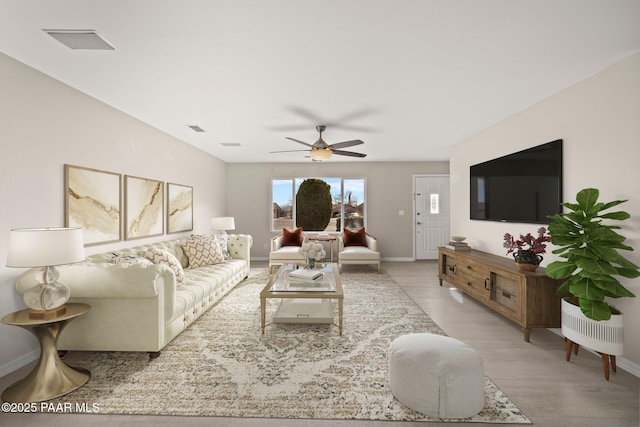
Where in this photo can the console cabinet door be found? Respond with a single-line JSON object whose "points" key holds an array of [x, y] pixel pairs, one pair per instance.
{"points": [[448, 267], [506, 294]]}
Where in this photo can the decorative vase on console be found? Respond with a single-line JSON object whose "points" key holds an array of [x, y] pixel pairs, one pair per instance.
{"points": [[527, 260], [527, 249], [311, 263]]}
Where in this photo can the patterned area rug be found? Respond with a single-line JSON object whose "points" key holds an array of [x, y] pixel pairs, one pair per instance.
{"points": [[222, 365]]}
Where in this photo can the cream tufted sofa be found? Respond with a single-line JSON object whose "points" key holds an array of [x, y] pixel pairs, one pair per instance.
{"points": [[139, 306]]}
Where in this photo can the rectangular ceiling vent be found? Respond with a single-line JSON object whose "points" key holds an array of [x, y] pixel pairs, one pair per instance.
{"points": [[230, 144], [80, 39], [196, 128]]}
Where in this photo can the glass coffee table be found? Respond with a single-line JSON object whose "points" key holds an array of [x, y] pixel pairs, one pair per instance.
{"points": [[303, 297]]}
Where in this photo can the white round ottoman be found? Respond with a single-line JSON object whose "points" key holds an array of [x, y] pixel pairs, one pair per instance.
{"points": [[436, 375]]}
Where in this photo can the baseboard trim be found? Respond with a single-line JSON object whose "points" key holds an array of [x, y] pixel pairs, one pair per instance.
{"points": [[18, 363], [621, 362]]}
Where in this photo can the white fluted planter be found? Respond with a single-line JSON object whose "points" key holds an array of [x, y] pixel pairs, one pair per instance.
{"points": [[603, 336]]}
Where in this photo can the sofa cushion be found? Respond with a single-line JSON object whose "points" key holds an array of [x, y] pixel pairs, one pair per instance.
{"points": [[354, 238], [286, 253], [292, 237], [202, 251], [358, 253], [159, 256]]}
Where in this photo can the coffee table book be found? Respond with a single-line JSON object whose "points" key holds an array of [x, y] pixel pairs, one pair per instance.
{"points": [[303, 273]]}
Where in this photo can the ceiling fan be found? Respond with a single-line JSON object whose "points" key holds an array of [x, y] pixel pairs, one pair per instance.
{"points": [[320, 150]]}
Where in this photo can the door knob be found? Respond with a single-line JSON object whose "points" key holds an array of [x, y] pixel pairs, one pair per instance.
{"points": [[419, 223]]}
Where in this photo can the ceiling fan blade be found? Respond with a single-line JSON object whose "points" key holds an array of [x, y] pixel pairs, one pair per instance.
{"points": [[346, 144], [286, 151], [298, 141], [348, 153]]}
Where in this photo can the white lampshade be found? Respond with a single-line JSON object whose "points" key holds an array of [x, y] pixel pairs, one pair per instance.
{"points": [[223, 223], [45, 247], [40, 247]]}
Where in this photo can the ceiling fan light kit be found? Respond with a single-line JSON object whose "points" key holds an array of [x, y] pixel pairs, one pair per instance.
{"points": [[320, 150], [320, 154]]}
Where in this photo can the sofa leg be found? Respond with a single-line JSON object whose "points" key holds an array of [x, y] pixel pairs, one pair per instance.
{"points": [[153, 355]]}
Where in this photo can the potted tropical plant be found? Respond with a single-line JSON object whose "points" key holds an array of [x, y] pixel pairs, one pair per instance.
{"points": [[591, 264]]}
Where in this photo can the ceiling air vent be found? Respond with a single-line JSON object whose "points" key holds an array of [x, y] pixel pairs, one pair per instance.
{"points": [[80, 39], [230, 144], [196, 128]]}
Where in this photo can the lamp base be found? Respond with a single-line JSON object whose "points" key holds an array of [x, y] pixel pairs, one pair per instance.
{"points": [[47, 314], [46, 297]]}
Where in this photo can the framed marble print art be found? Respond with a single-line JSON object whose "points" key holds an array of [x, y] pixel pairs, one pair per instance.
{"points": [[179, 208], [144, 207], [92, 202]]}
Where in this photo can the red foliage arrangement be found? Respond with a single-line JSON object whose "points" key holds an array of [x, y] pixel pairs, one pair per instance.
{"points": [[528, 242]]}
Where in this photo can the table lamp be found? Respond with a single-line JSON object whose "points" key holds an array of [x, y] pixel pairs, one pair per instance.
{"points": [[45, 247], [223, 223], [220, 226]]}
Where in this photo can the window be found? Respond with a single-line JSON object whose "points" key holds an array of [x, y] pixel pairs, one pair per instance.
{"points": [[435, 203], [318, 204]]}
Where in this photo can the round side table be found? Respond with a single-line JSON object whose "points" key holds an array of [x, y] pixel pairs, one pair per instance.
{"points": [[51, 377]]}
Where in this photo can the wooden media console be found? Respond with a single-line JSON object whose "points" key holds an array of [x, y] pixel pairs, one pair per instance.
{"points": [[527, 298]]}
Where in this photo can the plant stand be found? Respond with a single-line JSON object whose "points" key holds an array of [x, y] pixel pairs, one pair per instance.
{"points": [[572, 346], [605, 337]]}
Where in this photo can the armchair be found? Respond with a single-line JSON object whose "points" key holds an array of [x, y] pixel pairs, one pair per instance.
{"points": [[284, 251], [358, 248]]}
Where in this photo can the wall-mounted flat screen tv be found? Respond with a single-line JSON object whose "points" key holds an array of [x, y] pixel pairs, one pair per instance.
{"points": [[521, 187]]}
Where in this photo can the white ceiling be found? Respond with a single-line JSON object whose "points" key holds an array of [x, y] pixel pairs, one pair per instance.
{"points": [[408, 77]]}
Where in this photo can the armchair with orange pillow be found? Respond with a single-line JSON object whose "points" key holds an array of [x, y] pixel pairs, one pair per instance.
{"points": [[357, 247], [285, 248]]}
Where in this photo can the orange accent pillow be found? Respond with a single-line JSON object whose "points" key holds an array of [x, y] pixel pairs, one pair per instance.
{"points": [[354, 238], [292, 238]]}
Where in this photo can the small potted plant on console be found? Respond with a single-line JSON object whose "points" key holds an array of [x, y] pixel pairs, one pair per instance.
{"points": [[527, 249]]}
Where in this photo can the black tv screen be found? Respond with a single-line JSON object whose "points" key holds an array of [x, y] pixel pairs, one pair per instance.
{"points": [[521, 187]]}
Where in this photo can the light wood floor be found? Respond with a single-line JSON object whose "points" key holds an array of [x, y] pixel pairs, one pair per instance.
{"points": [[535, 375]]}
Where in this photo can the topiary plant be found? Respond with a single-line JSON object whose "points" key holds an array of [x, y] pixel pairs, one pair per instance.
{"points": [[313, 205], [590, 251]]}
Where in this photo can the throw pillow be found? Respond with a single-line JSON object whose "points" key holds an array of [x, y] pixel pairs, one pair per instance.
{"points": [[354, 238], [221, 240], [127, 259], [158, 256], [292, 238], [202, 251]]}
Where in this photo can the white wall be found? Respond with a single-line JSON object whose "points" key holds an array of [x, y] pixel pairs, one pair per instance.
{"points": [[599, 121], [389, 190], [45, 124]]}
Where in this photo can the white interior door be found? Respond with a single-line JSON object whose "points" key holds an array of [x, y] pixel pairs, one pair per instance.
{"points": [[431, 214]]}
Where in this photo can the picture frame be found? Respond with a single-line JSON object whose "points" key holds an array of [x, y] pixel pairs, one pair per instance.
{"points": [[144, 207], [179, 208], [92, 201]]}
